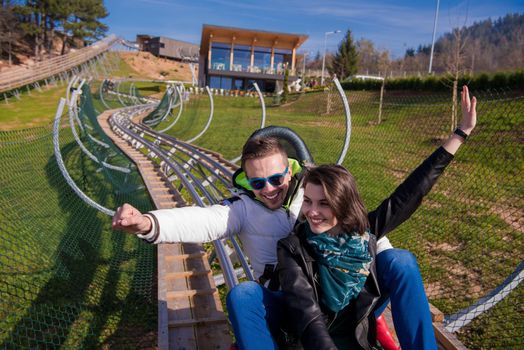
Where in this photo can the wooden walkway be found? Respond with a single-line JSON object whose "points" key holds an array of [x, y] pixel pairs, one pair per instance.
{"points": [[189, 308], [18, 77], [190, 313]]}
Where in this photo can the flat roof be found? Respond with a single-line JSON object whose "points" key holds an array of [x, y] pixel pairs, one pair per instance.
{"points": [[245, 36]]}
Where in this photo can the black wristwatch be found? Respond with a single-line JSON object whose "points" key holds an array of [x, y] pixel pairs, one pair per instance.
{"points": [[461, 133]]}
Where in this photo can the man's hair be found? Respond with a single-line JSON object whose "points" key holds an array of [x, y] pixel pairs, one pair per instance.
{"points": [[262, 146], [342, 196]]}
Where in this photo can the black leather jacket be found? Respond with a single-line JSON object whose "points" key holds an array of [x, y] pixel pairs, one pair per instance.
{"points": [[316, 326]]}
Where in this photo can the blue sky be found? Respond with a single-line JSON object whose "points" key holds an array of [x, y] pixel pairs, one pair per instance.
{"points": [[391, 25]]}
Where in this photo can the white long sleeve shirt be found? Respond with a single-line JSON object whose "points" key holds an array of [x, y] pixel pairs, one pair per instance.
{"points": [[258, 227]]}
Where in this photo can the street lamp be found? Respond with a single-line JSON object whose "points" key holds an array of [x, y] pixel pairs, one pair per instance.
{"points": [[433, 41], [324, 57], [304, 70], [304, 64]]}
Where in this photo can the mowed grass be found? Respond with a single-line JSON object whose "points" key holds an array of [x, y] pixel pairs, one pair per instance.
{"points": [[34, 109]]}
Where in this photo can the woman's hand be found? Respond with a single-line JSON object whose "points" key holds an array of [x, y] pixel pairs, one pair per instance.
{"points": [[469, 111]]}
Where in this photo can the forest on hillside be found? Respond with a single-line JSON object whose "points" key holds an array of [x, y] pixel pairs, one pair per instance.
{"points": [[41, 28], [483, 47]]}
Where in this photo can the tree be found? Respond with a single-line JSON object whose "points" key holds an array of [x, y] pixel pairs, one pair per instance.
{"points": [[315, 62], [455, 60], [9, 30], [345, 60], [285, 88], [367, 57], [81, 20]]}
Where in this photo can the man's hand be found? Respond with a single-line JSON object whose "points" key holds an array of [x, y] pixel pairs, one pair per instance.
{"points": [[129, 219]]}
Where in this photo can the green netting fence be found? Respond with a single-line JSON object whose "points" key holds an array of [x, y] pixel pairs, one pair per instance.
{"points": [[68, 281], [468, 234]]}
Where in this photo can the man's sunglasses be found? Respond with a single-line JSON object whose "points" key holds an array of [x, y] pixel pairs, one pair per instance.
{"points": [[258, 183]]}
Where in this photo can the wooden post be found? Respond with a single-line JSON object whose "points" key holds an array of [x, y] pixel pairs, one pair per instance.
{"points": [[381, 100], [454, 104], [329, 97]]}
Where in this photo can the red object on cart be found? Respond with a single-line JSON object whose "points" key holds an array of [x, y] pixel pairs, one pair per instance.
{"points": [[384, 336]]}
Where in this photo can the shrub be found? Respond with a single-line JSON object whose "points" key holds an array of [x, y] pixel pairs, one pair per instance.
{"points": [[432, 83]]}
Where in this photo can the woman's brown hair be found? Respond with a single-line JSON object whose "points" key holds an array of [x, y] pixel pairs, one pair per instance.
{"points": [[342, 195]]}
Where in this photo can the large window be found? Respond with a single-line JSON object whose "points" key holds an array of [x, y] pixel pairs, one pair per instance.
{"points": [[220, 83], [262, 60], [238, 84], [282, 57], [261, 84], [220, 54], [241, 58]]}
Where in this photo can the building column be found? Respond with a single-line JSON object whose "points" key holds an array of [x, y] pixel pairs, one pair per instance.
{"points": [[252, 63], [231, 56], [293, 58], [272, 57], [209, 51]]}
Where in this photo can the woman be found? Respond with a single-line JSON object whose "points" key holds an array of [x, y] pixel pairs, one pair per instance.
{"points": [[327, 266]]}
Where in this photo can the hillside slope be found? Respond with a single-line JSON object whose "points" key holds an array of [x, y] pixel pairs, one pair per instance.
{"points": [[149, 66]]}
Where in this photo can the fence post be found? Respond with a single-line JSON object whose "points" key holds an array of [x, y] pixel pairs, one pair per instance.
{"points": [[381, 100]]}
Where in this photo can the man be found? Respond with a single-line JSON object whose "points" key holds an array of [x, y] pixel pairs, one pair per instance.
{"points": [[266, 211]]}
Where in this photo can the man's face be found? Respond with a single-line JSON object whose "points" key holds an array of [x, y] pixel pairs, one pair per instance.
{"points": [[272, 196]]}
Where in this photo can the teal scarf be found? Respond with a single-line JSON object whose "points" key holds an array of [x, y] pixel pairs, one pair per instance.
{"points": [[343, 264]]}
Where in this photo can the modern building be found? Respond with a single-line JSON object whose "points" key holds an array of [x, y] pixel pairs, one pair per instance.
{"points": [[234, 58], [161, 46]]}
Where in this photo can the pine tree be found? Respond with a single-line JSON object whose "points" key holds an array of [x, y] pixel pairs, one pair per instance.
{"points": [[81, 20], [344, 63]]}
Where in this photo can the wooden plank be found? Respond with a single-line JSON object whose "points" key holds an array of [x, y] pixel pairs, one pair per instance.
{"points": [[436, 314], [445, 339], [210, 336], [197, 322], [186, 274], [180, 308], [163, 319], [190, 293], [196, 255]]}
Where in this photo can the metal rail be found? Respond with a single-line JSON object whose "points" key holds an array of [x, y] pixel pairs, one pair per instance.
{"points": [[185, 177], [212, 108]]}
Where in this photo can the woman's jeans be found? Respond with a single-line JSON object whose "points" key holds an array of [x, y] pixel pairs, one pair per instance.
{"points": [[255, 311]]}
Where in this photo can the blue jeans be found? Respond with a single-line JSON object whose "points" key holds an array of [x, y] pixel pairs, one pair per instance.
{"points": [[400, 281], [254, 311]]}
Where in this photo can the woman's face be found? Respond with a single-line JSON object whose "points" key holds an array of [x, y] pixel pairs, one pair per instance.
{"points": [[317, 211]]}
